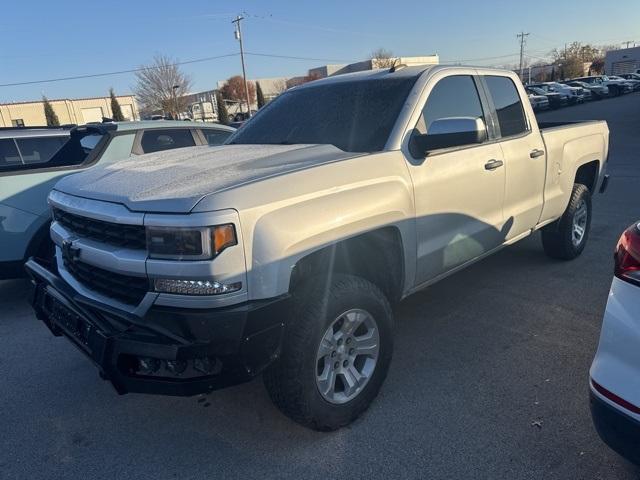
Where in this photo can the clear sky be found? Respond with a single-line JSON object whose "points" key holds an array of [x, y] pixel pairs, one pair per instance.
{"points": [[48, 39]]}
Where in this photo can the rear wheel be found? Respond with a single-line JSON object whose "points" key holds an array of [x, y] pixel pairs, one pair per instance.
{"points": [[566, 238], [336, 352]]}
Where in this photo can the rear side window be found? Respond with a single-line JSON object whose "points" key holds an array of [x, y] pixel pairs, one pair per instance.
{"points": [[216, 137], [166, 139], [9, 157], [28, 153], [454, 96], [509, 108], [39, 149]]}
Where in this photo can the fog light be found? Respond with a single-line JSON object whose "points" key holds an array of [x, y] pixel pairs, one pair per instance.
{"points": [[195, 287], [148, 366], [207, 365], [203, 365], [176, 366]]}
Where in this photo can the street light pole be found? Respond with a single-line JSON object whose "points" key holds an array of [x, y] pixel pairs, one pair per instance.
{"points": [[238, 34]]}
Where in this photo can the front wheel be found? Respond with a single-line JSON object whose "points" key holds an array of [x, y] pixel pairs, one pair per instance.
{"points": [[336, 352], [566, 238]]}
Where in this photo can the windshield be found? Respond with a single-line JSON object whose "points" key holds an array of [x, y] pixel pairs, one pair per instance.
{"points": [[355, 116]]}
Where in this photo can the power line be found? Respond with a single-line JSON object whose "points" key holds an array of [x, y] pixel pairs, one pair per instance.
{"points": [[119, 72], [186, 62]]}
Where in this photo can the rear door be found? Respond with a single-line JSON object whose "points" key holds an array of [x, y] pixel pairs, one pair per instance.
{"points": [[523, 151], [459, 191]]}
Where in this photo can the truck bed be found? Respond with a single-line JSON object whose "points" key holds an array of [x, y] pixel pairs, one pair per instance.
{"points": [[569, 145]]}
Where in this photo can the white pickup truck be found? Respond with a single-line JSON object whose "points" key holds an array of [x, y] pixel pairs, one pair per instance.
{"points": [[284, 250]]}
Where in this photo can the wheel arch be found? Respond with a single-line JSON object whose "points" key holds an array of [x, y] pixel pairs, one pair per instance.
{"points": [[377, 256]]}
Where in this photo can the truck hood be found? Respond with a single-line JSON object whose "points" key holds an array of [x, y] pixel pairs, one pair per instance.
{"points": [[174, 181]]}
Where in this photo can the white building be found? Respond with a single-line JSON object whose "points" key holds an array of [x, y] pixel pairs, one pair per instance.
{"points": [[625, 60]]}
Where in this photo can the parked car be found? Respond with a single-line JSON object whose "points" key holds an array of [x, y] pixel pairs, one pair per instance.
{"points": [[555, 87], [283, 250], [615, 372], [615, 87], [556, 100], [632, 82], [538, 102], [29, 169], [630, 76], [598, 91]]}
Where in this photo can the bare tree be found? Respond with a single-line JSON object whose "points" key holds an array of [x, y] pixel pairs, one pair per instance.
{"points": [[279, 86], [155, 88], [233, 89], [383, 58], [574, 59]]}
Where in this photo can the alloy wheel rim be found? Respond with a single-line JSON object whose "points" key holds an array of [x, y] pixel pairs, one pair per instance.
{"points": [[579, 225], [347, 356]]}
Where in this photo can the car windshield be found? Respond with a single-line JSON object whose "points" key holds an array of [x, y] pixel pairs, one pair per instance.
{"points": [[355, 116]]}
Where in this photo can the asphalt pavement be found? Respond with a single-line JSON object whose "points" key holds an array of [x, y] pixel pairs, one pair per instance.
{"points": [[489, 379]]}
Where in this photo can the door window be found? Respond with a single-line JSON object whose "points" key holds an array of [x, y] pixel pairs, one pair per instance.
{"points": [[9, 156], [39, 149], [454, 96], [216, 137], [166, 139], [509, 109]]}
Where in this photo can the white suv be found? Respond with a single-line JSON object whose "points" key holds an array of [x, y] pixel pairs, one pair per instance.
{"points": [[615, 373]]}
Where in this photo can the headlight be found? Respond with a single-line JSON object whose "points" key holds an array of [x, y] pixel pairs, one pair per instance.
{"points": [[189, 243]]}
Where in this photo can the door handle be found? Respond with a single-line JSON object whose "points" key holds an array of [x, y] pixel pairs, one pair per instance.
{"points": [[536, 152], [493, 164]]}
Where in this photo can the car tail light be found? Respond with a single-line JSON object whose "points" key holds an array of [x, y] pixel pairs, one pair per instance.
{"points": [[627, 255]]}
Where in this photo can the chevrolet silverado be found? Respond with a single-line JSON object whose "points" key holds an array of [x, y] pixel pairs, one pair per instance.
{"points": [[283, 251]]}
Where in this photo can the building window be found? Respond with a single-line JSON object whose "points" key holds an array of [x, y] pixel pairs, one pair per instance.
{"points": [[18, 122]]}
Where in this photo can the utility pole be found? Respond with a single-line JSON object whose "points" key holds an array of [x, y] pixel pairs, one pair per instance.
{"points": [[175, 101], [238, 34], [522, 37], [628, 42]]}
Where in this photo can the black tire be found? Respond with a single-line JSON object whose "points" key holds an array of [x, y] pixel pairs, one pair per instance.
{"points": [[557, 237], [291, 381]]}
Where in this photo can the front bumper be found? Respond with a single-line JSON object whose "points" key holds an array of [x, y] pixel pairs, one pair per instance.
{"points": [[195, 350], [619, 431]]}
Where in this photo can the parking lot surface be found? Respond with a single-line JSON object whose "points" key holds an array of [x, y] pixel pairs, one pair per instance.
{"points": [[489, 379]]}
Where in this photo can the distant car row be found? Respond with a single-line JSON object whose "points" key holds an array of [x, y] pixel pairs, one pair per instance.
{"points": [[553, 95]]}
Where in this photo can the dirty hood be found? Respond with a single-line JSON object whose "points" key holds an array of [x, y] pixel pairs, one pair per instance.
{"points": [[174, 181]]}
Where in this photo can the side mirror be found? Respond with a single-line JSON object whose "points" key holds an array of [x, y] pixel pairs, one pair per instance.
{"points": [[448, 132]]}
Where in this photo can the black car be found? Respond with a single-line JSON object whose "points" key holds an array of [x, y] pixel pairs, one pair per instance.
{"points": [[556, 100]]}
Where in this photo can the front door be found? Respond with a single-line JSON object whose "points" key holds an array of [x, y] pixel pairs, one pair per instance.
{"points": [[458, 191]]}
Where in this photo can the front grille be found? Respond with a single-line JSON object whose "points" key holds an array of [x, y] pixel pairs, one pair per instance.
{"points": [[124, 288], [126, 236]]}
